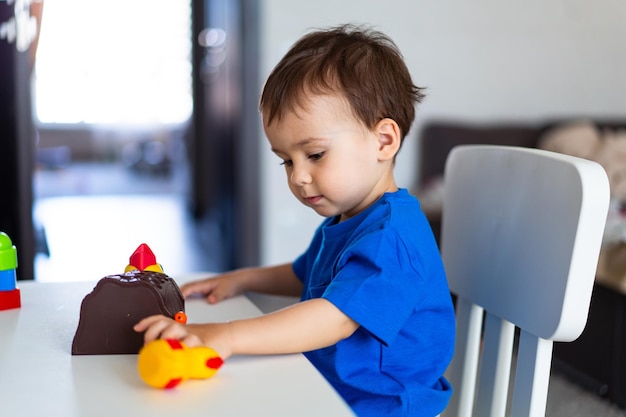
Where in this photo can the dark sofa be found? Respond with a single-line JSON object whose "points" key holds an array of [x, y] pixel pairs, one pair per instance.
{"points": [[597, 360], [437, 138]]}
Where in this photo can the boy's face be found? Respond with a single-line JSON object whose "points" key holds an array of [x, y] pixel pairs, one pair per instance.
{"points": [[334, 163]]}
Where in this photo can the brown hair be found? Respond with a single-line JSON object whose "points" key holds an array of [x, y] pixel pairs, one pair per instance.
{"points": [[362, 65]]}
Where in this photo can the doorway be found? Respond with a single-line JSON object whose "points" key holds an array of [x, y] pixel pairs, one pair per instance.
{"points": [[116, 109]]}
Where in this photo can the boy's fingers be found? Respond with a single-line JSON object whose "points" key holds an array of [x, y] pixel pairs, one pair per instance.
{"points": [[154, 327], [143, 324], [174, 331], [155, 331], [200, 287]]}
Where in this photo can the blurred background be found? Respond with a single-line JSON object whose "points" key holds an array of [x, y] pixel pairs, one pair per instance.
{"points": [[136, 121], [145, 122]]}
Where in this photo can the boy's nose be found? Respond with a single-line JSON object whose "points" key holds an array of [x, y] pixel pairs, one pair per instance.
{"points": [[300, 176]]}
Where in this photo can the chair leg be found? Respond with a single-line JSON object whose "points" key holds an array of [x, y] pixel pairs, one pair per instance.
{"points": [[532, 376], [463, 370], [493, 386]]}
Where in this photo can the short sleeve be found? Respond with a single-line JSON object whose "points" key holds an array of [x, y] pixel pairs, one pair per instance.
{"points": [[378, 283]]}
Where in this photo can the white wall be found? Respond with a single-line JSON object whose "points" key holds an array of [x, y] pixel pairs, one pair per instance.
{"points": [[484, 60]]}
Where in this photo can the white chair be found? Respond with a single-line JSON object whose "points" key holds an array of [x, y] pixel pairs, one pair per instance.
{"points": [[521, 235]]}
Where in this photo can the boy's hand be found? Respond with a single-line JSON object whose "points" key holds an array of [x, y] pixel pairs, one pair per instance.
{"points": [[215, 289], [213, 335], [161, 327], [278, 280]]}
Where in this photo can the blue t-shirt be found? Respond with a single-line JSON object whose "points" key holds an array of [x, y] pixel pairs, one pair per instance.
{"points": [[382, 268]]}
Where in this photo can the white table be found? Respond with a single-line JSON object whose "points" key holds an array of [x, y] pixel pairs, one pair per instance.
{"points": [[40, 377]]}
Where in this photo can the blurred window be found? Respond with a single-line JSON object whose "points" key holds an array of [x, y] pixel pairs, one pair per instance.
{"points": [[114, 62]]}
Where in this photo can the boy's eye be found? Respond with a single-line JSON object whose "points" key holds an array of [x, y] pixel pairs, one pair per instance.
{"points": [[316, 156], [287, 163]]}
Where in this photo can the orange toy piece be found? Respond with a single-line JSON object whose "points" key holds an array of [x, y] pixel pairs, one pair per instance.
{"points": [[181, 317], [143, 259], [165, 363]]}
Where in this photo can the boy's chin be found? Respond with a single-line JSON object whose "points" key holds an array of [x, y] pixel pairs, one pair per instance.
{"points": [[325, 212]]}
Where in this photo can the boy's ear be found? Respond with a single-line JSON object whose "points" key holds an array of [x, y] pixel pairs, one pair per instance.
{"points": [[389, 138]]}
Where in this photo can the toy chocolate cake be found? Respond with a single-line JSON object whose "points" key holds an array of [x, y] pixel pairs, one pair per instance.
{"points": [[118, 302]]}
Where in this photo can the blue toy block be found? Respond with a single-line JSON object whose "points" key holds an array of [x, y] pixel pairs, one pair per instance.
{"points": [[7, 280]]}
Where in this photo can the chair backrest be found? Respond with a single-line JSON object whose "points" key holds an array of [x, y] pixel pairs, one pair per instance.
{"points": [[521, 235]]}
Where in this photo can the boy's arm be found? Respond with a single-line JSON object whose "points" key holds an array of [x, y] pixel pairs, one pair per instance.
{"points": [[302, 327], [278, 280]]}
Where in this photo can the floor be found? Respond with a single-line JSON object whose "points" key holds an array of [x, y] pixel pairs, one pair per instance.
{"points": [[94, 216], [567, 399]]}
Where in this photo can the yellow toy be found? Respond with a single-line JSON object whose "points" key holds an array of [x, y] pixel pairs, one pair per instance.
{"points": [[165, 363]]}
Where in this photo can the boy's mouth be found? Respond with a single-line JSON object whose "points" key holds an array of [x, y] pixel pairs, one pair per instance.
{"points": [[312, 200]]}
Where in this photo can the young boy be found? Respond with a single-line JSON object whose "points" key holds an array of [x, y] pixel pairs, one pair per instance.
{"points": [[376, 317]]}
